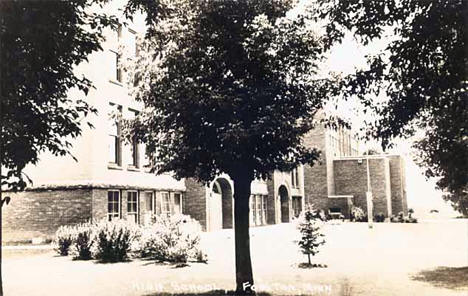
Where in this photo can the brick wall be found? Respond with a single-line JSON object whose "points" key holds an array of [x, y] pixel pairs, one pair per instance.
{"points": [[271, 202], [316, 178], [379, 171], [398, 184], [39, 213], [351, 179], [99, 204], [195, 201]]}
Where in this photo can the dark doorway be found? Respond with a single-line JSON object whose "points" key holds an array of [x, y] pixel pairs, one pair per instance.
{"points": [[284, 200]]}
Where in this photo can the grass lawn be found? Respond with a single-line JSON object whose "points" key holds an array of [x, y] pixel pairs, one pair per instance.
{"points": [[428, 258]]}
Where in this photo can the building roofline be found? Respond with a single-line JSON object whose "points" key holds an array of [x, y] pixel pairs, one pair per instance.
{"points": [[379, 156]]}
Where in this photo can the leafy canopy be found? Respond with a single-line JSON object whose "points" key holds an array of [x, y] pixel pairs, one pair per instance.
{"points": [[228, 86], [40, 43], [422, 72]]}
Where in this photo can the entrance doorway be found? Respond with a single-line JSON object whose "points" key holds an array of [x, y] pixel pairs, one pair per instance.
{"points": [[220, 205], [284, 201]]}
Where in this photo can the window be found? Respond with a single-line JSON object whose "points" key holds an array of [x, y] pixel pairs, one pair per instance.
{"points": [[258, 218], [165, 203], [113, 205], [295, 178], [177, 203], [264, 209], [252, 210], [114, 135], [132, 206], [157, 204], [117, 75], [134, 148], [149, 201], [297, 205], [119, 31], [131, 42]]}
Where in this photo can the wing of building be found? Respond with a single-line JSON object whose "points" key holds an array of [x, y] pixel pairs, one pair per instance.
{"points": [[110, 179]]}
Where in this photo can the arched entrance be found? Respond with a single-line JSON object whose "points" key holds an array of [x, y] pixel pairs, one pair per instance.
{"points": [[284, 201], [220, 205]]}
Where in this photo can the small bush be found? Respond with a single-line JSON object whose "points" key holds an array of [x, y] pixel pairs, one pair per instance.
{"points": [[323, 216], [113, 240], [408, 219], [380, 217], [309, 227], [357, 214], [173, 239], [83, 241], [400, 218], [63, 239]]}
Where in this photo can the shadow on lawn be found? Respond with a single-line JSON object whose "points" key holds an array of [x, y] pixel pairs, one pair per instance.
{"points": [[447, 277], [207, 293]]}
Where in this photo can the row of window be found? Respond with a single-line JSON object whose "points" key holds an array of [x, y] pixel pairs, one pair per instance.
{"points": [[157, 203], [258, 210], [130, 42], [295, 178], [115, 140], [342, 144]]}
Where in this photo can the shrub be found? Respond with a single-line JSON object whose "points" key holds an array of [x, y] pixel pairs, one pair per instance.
{"points": [[380, 217], [400, 218], [309, 227], [323, 216], [83, 241], [173, 239], [63, 239], [357, 214], [113, 240], [409, 219]]}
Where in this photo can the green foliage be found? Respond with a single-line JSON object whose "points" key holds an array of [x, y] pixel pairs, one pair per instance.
{"points": [[40, 44], [228, 86], [422, 72], [114, 240], [309, 227], [173, 239]]}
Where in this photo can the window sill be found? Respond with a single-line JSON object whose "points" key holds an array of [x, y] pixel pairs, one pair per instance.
{"points": [[113, 166], [115, 82], [133, 168]]}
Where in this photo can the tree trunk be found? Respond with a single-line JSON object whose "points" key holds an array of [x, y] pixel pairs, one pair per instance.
{"points": [[308, 257], [244, 276], [1, 210]]}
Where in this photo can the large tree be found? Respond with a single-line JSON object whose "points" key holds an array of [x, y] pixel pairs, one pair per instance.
{"points": [[422, 73], [228, 87], [40, 44]]}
